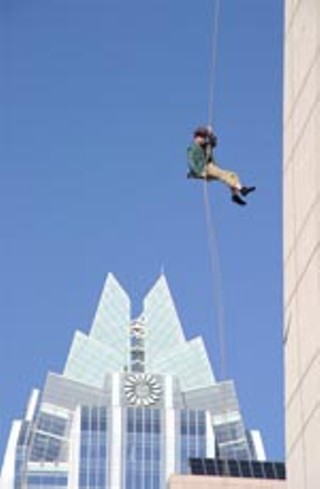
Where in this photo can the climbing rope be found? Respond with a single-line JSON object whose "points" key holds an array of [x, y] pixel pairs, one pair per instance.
{"points": [[214, 45], [214, 251], [211, 235], [217, 280]]}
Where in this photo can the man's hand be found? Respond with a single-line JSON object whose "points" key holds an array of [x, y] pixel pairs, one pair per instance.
{"points": [[211, 137]]}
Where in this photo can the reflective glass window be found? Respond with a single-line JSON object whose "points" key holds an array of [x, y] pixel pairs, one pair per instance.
{"points": [[52, 424], [93, 452], [193, 437], [143, 448]]}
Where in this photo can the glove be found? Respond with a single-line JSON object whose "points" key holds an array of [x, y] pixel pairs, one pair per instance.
{"points": [[213, 140]]}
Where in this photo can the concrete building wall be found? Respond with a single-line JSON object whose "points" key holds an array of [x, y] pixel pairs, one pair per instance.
{"points": [[204, 482], [301, 174]]}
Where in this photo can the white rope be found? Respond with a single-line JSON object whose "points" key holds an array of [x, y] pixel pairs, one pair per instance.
{"points": [[217, 281], [212, 241], [214, 44]]}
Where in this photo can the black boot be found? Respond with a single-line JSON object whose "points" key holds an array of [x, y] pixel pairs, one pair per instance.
{"points": [[237, 199], [247, 190]]}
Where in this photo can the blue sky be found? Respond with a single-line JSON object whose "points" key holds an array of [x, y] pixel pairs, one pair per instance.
{"points": [[98, 99]]}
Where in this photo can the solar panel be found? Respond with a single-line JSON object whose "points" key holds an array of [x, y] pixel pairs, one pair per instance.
{"points": [[245, 467], [234, 468], [257, 469], [210, 466], [269, 470], [197, 466], [222, 466], [280, 470], [237, 468]]}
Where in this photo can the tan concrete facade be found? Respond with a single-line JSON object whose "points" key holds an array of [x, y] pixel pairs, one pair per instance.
{"points": [[204, 482], [301, 180]]}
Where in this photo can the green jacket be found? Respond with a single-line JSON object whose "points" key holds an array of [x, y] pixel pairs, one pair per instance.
{"points": [[198, 157]]}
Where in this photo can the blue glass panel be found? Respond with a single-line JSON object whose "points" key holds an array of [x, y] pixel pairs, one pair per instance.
{"points": [[93, 461], [193, 437], [84, 418], [44, 480], [52, 424], [143, 452], [94, 425]]}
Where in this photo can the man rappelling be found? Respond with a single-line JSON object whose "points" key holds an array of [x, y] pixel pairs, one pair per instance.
{"points": [[202, 164]]}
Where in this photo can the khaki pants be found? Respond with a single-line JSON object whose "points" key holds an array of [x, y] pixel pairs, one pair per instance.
{"points": [[213, 172]]}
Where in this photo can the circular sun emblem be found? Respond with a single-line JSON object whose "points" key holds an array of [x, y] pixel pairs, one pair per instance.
{"points": [[142, 389]]}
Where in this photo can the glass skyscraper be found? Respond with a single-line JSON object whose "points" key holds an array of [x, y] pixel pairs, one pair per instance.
{"points": [[134, 403]]}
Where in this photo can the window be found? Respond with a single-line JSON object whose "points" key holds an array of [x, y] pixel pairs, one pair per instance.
{"points": [[143, 448], [94, 448], [52, 424], [193, 437]]}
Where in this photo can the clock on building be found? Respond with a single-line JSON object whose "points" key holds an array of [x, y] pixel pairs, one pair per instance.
{"points": [[142, 389]]}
